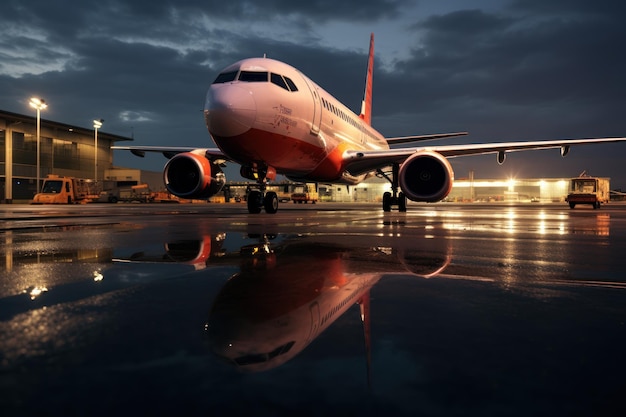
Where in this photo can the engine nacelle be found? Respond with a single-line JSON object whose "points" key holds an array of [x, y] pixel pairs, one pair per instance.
{"points": [[424, 264], [189, 175], [191, 252], [426, 176]]}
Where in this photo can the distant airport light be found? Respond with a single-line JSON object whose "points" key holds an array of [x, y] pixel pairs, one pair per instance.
{"points": [[97, 124], [511, 184], [38, 104]]}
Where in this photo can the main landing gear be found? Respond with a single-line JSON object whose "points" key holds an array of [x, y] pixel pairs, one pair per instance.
{"points": [[259, 199], [393, 198]]}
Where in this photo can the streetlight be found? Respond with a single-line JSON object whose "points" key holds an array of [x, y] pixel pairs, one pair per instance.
{"points": [[97, 124], [38, 104]]}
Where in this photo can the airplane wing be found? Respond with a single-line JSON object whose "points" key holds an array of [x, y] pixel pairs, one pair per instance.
{"points": [[419, 138], [359, 162], [170, 151]]}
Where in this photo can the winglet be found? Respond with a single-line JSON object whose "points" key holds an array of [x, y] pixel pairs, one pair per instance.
{"points": [[366, 105]]}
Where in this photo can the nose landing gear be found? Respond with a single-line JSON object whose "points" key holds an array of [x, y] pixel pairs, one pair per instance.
{"points": [[259, 199]]}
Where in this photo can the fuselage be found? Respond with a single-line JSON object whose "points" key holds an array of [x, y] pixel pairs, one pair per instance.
{"points": [[260, 111]]}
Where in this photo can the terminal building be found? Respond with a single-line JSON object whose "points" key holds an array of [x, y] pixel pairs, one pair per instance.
{"points": [[64, 150]]}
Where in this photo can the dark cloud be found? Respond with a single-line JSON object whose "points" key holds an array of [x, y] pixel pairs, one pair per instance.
{"points": [[532, 71], [517, 59], [370, 10], [521, 62], [567, 8]]}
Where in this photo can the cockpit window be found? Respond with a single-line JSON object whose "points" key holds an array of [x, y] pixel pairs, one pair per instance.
{"points": [[256, 77], [291, 84], [253, 76], [279, 81], [226, 77]]}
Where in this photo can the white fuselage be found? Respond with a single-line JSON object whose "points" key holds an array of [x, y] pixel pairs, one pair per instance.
{"points": [[260, 111]]}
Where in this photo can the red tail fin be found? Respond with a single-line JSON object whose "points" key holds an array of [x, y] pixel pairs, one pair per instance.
{"points": [[364, 305], [366, 105]]}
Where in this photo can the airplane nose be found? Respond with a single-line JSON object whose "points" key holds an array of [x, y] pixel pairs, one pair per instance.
{"points": [[229, 110]]}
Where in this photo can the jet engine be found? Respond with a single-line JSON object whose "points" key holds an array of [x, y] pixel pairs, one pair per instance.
{"points": [[189, 175], [426, 176]]}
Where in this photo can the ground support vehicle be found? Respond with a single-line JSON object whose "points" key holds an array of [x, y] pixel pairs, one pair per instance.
{"points": [[305, 195], [67, 190], [588, 190]]}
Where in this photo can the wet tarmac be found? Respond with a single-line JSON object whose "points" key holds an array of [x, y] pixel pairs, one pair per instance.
{"points": [[446, 310]]}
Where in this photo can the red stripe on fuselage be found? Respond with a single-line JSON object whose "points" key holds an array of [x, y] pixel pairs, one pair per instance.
{"points": [[287, 155], [331, 168]]}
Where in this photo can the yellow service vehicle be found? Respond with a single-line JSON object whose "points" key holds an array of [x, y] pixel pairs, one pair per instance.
{"points": [[65, 190], [588, 190]]}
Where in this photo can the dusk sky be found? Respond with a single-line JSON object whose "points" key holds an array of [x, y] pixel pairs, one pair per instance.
{"points": [[504, 70]]}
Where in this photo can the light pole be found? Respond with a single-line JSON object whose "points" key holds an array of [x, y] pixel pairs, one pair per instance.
{"points": [[97, 124], [38, 104]]}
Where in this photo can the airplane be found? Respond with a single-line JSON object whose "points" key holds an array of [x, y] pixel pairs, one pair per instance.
{"points": [[270, 118]]}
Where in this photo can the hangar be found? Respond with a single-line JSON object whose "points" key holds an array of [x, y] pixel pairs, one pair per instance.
{"points": [[63, 150]]}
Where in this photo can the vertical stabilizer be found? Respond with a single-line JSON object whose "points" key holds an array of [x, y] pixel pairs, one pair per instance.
{"points": [[366, 105], [364, 305]]}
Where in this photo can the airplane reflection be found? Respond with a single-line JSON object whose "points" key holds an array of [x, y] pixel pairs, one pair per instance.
{"points": [[287, 291], [194, 252], [284, 297]]}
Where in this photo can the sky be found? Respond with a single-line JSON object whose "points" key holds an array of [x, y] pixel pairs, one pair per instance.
{"points": [[504, 70]]}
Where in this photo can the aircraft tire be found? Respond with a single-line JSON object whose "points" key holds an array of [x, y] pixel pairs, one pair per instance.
{"points": [[401, 202], [270, 202], [254, 202], [387, 201]]}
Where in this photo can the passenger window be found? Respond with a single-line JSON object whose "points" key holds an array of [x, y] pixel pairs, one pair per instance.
{"points": [[279, 81], [291, 84], [225, 77], [253, 76]]}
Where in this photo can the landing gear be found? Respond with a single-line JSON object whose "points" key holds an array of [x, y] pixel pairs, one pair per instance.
{"points": [[393, 198], [255, 202], [389, 201], [270, 202], [259, 199]]}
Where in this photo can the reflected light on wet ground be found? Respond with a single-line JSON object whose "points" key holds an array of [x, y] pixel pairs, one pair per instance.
{"points": [[445, 308], [515, 221]]}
